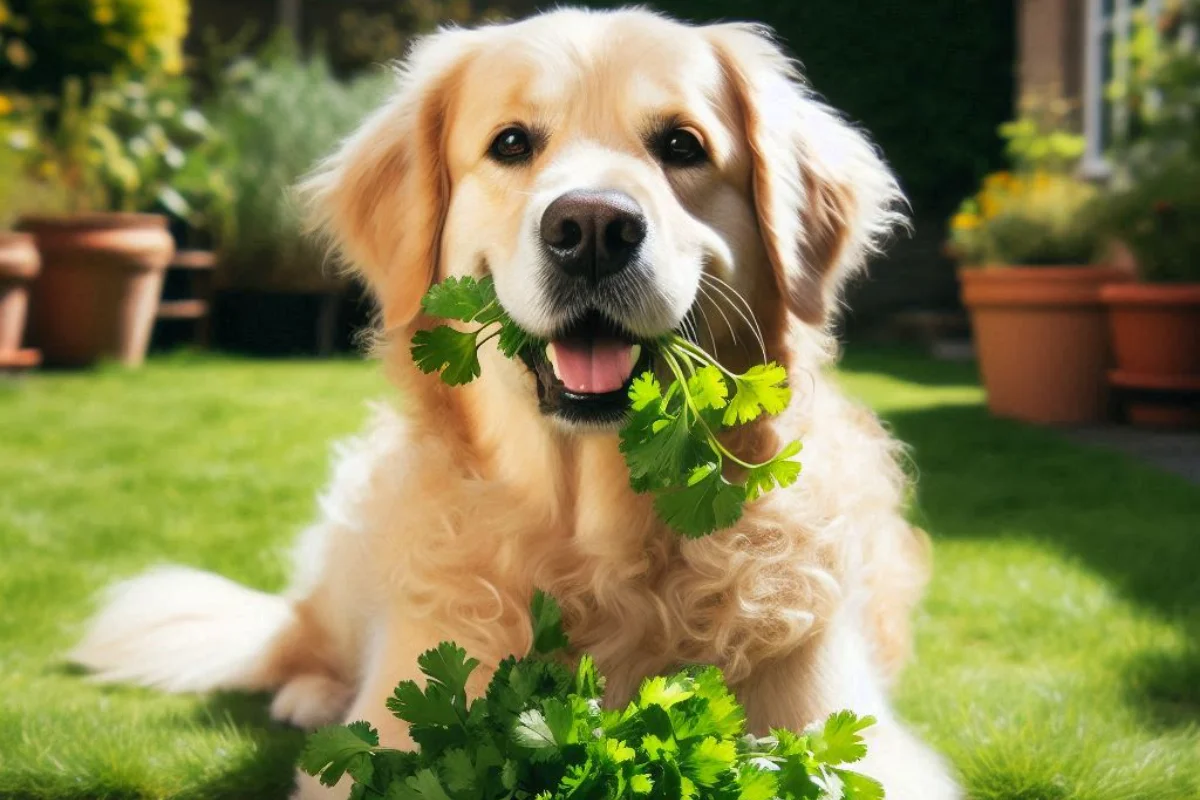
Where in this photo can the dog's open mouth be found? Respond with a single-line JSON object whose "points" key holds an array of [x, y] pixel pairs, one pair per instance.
{"points": [[583, 374]]}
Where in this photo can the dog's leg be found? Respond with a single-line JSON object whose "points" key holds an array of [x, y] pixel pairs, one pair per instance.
{"points": [[838, 672], [391, 658]]}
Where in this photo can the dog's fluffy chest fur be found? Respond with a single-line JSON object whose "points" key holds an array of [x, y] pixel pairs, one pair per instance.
{"points": [[460, 529]]}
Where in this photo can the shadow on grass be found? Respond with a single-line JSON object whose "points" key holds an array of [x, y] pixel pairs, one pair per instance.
{"points": [[986, 478], [1165, 686], [269, 771], [909, 365]]}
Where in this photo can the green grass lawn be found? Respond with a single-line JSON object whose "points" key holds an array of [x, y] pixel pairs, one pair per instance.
{"points": [[1057, 653]]}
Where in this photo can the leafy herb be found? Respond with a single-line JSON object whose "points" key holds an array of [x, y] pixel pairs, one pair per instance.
{"points": [[670, 441], [541, 732]]}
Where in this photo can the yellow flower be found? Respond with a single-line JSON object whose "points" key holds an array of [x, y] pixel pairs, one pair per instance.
{"points": [[6, 105], [989, 205], [997, 181], [5, 14], [964, 221]]}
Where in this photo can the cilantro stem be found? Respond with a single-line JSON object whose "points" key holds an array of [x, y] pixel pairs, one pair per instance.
{"points": [[487, 338], [721, 449], [695, 353]]}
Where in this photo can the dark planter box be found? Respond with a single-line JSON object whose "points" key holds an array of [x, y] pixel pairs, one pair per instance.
{"points": [[275, 323]]}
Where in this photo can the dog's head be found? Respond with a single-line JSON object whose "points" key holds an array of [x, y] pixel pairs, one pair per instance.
{"points": [[620, 175]]}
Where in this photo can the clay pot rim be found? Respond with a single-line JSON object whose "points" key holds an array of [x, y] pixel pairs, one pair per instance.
{"points": [[92, 221], [1083, 273], [15, 237], [1158, 381], [1151, 294], [26, 265]]}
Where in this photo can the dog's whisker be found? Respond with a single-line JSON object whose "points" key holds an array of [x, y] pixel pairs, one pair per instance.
{"points": [[747, 316], [712, 339], [715, 301], [705, 293]]}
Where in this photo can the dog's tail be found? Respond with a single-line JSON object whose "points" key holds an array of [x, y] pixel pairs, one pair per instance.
{"points": [[183, 630]]}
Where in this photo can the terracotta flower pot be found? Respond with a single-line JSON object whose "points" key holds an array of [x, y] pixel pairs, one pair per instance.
{"points": [[101, 280], [1042, 340], [1156, 338], [19, 265]]}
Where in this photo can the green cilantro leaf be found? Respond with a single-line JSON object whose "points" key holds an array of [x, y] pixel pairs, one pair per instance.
{"points": [[664, 450], [451, 351], [707, 503], [463, 299], [856, 786], [333, 751], [645, 392], [548, 634], [448, 665], [762, 388], [431, 706], [707, 388], [782, 471], [533, 731], [840, 740], [708, 760]]}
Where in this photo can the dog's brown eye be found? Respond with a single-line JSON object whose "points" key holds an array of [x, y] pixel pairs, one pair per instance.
{"points": [[512, 144], [681, 147]]}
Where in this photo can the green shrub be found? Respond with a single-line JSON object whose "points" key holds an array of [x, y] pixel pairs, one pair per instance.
{"points": [[279, 115], [1153, 203], [125, 145], [1158, 218], [1032, 215], [57, 39]]}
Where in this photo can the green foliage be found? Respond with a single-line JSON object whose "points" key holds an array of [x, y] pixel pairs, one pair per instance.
{"points": [[455, 353], [1158, 96], [1158, 217], [1033, 214], [541, 731], [262, 238], [1153, 204], [48, 41], [670, 439], [127, 144], [23, 188]]}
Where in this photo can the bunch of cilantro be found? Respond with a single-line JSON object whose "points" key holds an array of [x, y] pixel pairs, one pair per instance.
{"points": [[541, 733], [670, 441]]}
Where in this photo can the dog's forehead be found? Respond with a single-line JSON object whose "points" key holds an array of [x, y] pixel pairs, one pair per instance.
{"points": [[599, 65]]}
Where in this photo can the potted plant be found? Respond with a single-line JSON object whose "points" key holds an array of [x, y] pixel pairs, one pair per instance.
{"points": [[19, 260], [117, 149], [1024, 249], [1152, 210]]}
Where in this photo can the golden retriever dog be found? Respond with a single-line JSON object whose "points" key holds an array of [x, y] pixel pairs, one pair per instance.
{"points": [[620, 175]]}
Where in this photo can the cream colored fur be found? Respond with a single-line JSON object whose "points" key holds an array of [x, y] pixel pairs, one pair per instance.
{"points": [[442, 518]]}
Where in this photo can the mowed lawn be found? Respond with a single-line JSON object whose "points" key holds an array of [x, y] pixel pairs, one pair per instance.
{"points": [[1057, 651]]}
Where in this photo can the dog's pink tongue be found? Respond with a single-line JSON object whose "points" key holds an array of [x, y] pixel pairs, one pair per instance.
{"points": [[593, 366]]}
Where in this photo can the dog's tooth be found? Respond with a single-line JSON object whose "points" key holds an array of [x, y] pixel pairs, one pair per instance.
{"points": [[550, 356], [635, 353]]}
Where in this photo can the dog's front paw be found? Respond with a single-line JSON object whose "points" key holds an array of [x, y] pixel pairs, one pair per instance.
{"points": [[310, 701]]}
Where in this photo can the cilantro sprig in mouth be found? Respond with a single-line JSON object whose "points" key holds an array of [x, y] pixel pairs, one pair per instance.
{"points": [[670, 440]]}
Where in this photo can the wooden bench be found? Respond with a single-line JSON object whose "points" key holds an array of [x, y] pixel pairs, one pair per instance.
{"points": [[198, 267]]}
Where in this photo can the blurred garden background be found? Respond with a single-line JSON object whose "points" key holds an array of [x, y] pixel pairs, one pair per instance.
{"points": [[176, 358]]}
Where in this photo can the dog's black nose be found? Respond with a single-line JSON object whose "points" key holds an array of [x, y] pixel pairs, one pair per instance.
{"points": [[593, 234]]}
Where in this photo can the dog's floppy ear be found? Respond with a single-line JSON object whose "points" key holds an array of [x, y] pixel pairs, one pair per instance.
{"points": [[823, 195], [381, 198]]}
